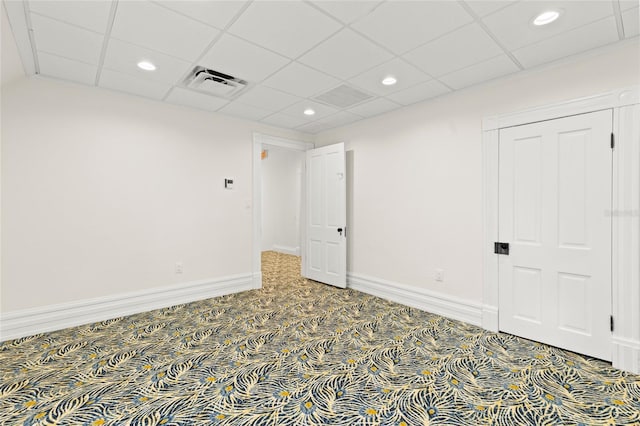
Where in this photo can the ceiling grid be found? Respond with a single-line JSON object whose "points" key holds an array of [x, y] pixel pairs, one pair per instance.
{"points": [[293, 52]]}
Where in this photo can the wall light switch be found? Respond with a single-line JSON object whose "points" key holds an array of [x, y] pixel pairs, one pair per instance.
{"points": [[228, 183]]}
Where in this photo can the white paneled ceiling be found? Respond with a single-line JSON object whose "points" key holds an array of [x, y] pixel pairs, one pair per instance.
{"points": [[299, 26], [291, 52], [66, 40], [473, 45], [401, 26]]}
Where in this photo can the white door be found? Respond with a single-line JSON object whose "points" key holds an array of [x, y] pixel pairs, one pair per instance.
{"points": [[554, 195], [326, 211]]}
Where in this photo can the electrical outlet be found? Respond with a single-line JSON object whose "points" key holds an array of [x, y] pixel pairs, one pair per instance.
{"points": [[439, 275], [179, 267]]}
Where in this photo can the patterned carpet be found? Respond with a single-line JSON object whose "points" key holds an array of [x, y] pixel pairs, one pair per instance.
{"points": [[296, 353]]}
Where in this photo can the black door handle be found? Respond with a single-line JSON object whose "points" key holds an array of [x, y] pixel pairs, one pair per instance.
{"points": [[501, 248], [340, 231]]}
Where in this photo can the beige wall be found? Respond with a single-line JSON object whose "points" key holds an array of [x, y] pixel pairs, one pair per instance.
{"points": [[416, 201], [103, 193]]}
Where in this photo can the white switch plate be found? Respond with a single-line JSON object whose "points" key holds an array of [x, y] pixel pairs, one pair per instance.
{"points": [[179, 267], [439, 275]]}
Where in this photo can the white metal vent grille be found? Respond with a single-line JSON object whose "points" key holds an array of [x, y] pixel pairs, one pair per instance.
{"points": [[214, 83], [343, 96]]}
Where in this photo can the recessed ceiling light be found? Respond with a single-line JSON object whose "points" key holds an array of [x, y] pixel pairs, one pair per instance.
{"points": [[389, 81], [146, 65], [546, 17], [309, 111]]}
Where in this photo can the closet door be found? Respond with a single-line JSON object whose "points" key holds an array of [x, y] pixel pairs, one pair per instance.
{"points": [[554, 212]]}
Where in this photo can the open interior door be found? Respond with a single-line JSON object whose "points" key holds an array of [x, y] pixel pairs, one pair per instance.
{"points": [[326, 216]]}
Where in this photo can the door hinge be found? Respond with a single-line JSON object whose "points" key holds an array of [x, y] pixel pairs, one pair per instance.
{"points": [[613, 142], [501, 248], [611, 322]]}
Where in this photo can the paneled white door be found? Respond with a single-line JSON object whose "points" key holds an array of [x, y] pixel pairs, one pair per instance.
{"points": [[326, 211], [554, 211]]}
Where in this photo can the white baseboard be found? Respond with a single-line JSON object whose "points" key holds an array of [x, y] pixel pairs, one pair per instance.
{"points": [[430, 301], [27, 322], [286, 250], [626, 354], [257, 280], [490, 318]]}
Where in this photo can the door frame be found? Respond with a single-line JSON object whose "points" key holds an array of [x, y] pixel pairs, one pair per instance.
{"points": [[259, 140], [625, 280]]}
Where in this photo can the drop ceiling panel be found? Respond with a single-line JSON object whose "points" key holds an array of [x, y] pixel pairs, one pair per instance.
{"points": [[628, 4], [375, 107], [244, 111], [458, 49], [193, 99], [242, 59], [157, 28], [347, 11], [296, 110], [406, 74], [215, 13], [404, 25], [287, 27], [345, 55], [66, 40], [339, 119], [130, 84], [513, 28], [419, 92], [484, 71], [569, 43], [483, 8], [630, 22], [283, 120], [92, 15], [301, 80], [66, 69], [313, 128], [123, 57], [267, 98]]}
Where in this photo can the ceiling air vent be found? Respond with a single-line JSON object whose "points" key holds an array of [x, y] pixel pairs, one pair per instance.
{"points": [[214, 83], [343, 96]]}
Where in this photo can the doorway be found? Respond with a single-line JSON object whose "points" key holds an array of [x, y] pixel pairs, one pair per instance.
{"points": [[263, 142], [281, 199]]}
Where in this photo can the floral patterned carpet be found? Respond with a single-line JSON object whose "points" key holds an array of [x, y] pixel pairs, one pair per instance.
{"points": [[297, 352]]}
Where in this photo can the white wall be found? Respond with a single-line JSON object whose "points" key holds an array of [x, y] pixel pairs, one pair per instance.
{"points": [[10, 70], [281, 190], [415, 195], [102, 193]]}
